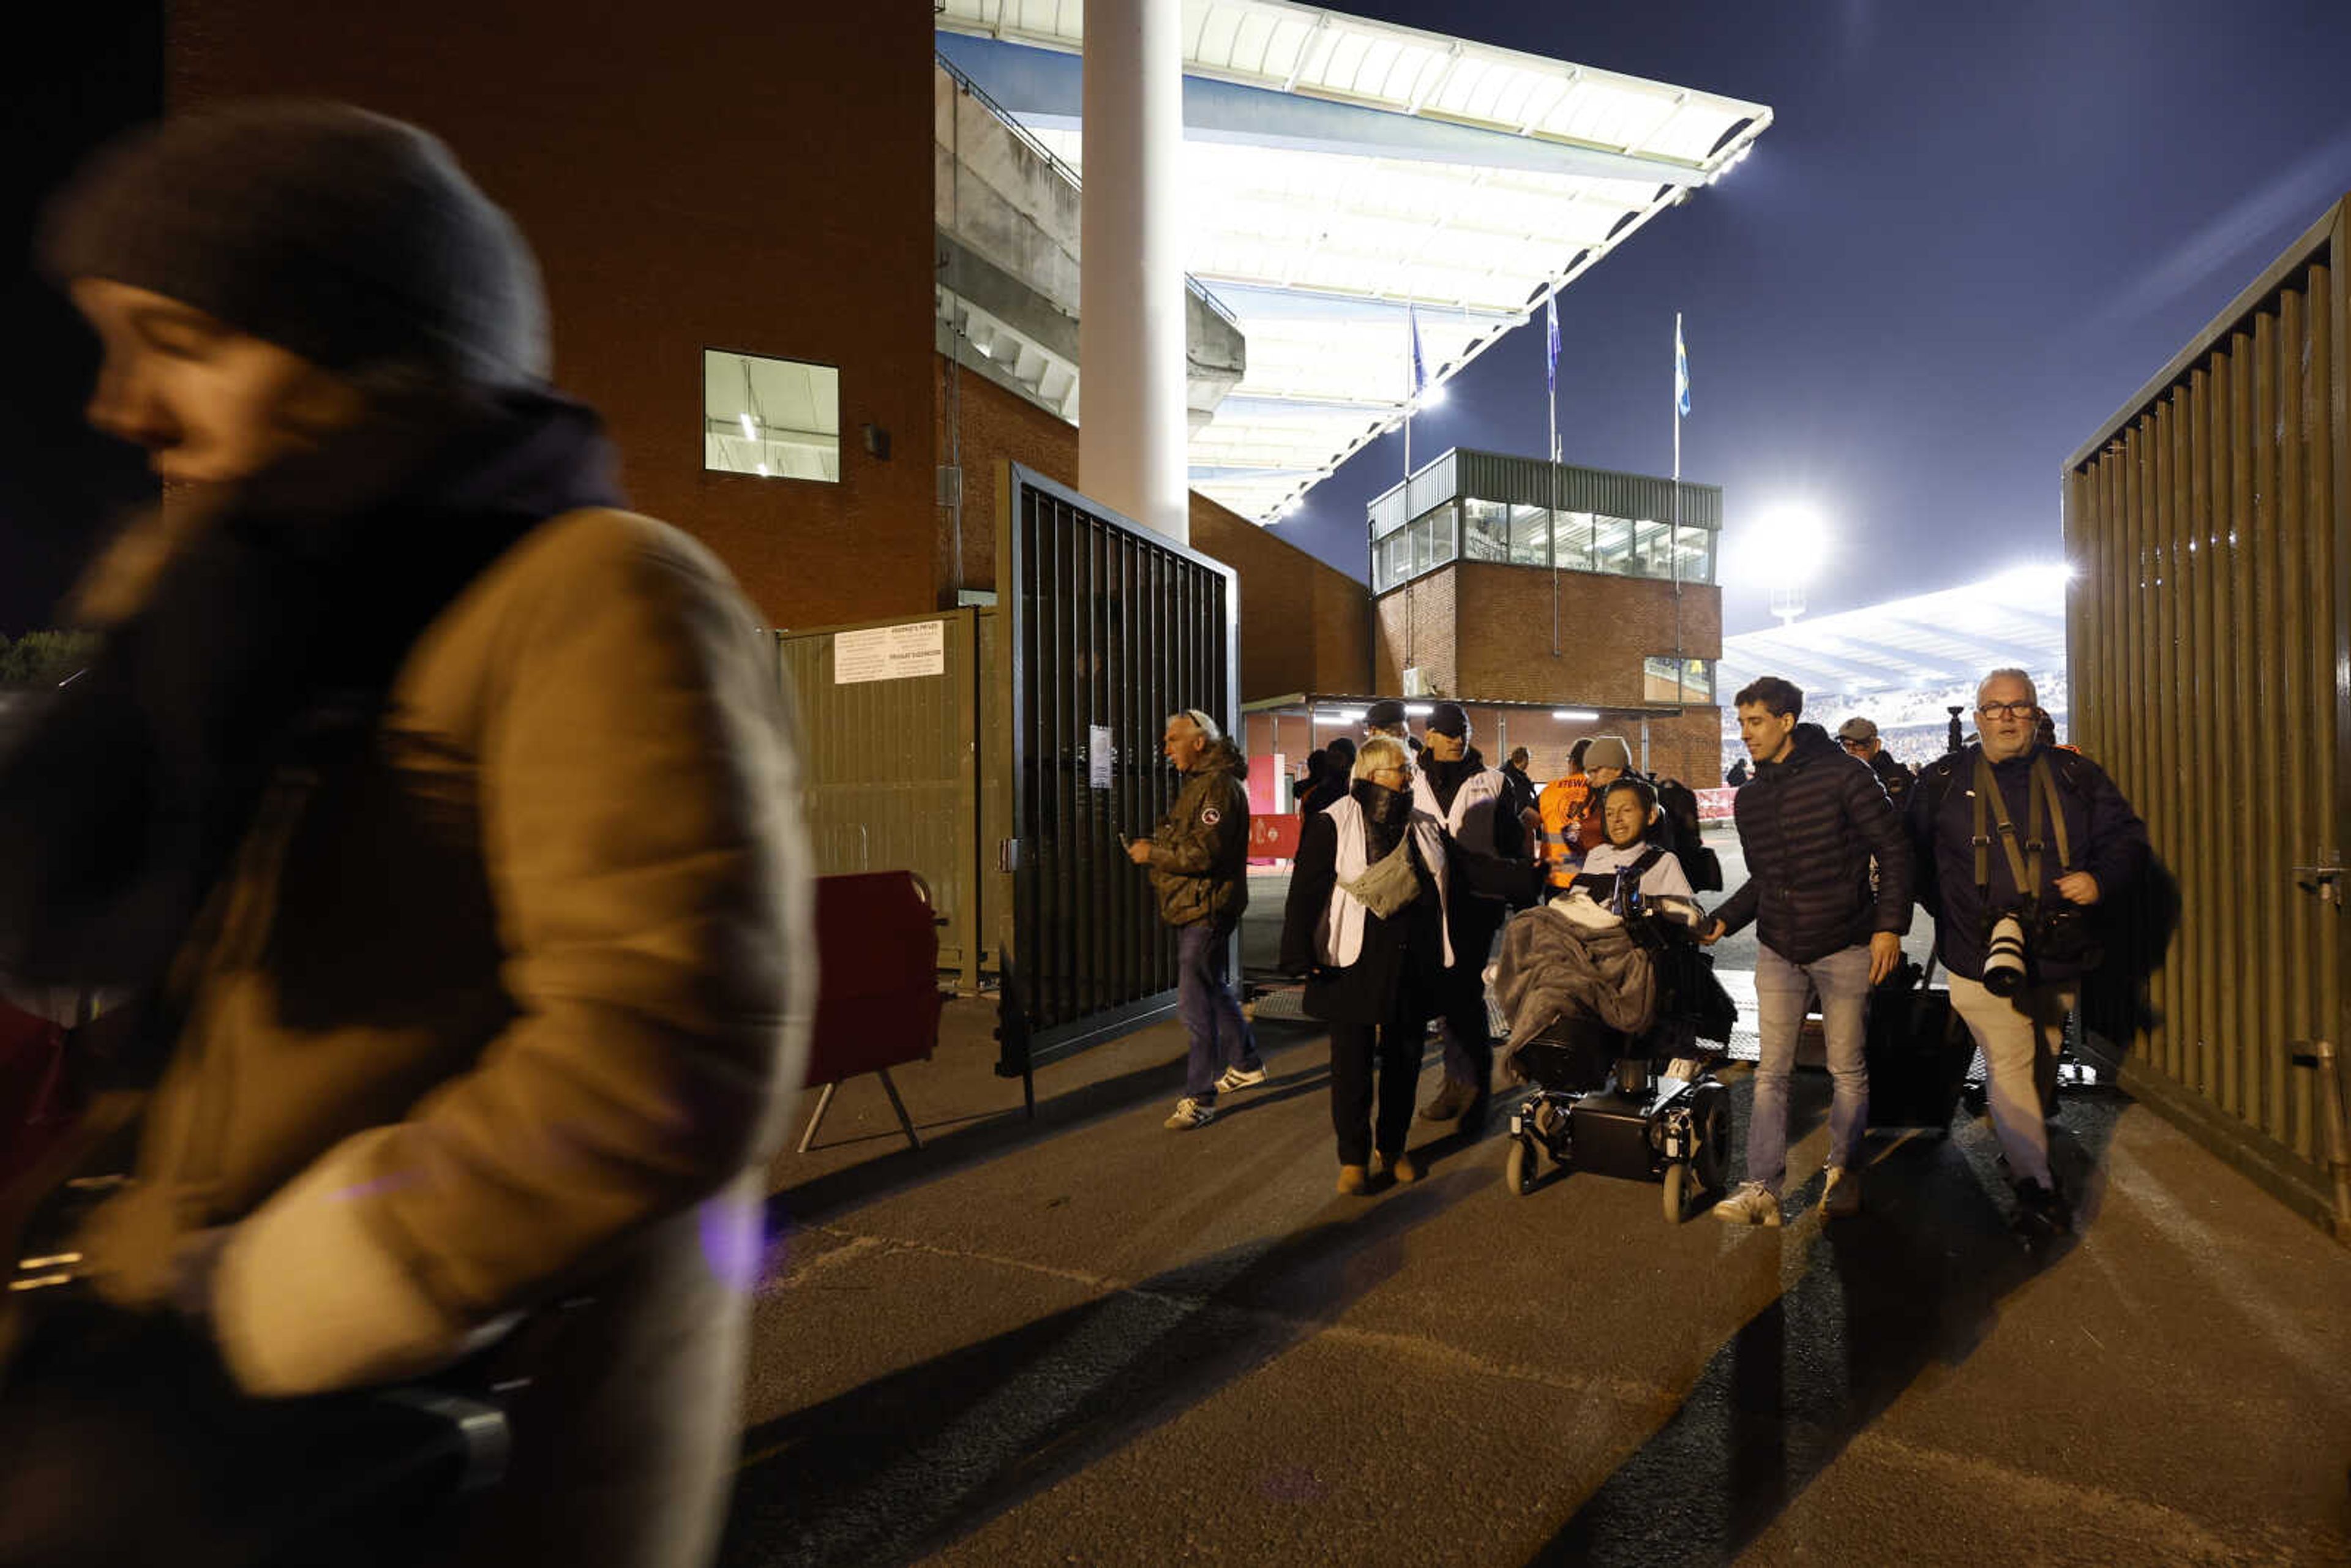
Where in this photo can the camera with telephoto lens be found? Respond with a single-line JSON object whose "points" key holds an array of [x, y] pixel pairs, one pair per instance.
{"points": [[2003, 966], [2062, 934], [2051, 934]]}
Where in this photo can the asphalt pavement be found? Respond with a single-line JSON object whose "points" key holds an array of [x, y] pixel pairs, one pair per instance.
{"points": [[1082, 1338]]}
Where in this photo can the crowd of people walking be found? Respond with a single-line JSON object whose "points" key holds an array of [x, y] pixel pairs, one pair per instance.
{"points": [[1414, 852]]}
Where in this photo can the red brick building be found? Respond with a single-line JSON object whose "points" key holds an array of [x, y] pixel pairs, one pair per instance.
{"points": [[712, 203]]}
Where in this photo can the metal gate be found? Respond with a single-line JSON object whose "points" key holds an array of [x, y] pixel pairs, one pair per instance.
{"points": [[1104, 628], [2208, 646]]}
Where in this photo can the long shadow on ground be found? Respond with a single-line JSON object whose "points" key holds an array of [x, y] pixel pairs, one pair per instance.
{"points": [[1915, 1281], [901, 1465]]}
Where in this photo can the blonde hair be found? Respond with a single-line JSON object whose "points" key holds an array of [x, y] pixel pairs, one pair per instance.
{"points": [[1377, 752]]}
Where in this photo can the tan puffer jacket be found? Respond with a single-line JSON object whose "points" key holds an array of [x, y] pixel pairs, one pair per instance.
{"points": [[511, 1007]]}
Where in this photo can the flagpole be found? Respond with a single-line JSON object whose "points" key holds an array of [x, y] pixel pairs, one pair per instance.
{"points": [[1550, 377], [1674, 544]]}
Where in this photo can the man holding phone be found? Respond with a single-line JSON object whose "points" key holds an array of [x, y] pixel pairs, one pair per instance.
{"points": [[1199, 857]]}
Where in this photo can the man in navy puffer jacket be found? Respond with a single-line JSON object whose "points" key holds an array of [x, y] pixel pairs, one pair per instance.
{"points": [[1810, 823]]}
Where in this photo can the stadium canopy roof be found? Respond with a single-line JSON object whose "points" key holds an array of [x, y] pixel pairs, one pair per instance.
{"points": [[1945, 639], [1346, 177]]}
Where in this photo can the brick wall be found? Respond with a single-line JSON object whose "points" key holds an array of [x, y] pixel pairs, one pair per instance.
{"points": [[1304, 625], [1415, 630], [760, 182], [1481, 631]]}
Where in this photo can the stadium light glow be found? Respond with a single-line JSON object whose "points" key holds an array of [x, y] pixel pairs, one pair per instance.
{"points": [[1787, 547], [1433, 395], [2034, 580]]}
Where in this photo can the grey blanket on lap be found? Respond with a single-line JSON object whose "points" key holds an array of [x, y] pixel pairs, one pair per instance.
{"points": [[1551, 969]]}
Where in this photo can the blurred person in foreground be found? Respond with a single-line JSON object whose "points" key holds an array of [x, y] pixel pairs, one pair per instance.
{"points": [[448, 816]]}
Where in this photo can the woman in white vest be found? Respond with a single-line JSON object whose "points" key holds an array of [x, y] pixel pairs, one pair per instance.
{"points": [[1367, 924]]}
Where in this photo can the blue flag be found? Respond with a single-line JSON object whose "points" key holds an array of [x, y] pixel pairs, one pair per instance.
{"points": [[1681, 372], [1412, 320], [1550, 341]]}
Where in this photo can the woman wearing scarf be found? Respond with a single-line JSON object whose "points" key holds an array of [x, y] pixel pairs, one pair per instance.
{"points": [[445, 815], [1367, 924]]}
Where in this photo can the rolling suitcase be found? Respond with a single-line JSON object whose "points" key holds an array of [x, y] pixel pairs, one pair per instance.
{"points": [[1918, 1051]]}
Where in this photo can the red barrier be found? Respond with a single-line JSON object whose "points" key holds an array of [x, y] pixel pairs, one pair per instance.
{"points": [[1714, 805], [1273, 838], [877, 984]]}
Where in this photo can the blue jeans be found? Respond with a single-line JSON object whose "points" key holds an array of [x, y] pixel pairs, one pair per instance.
{"points": [[1843, 980], [1221, 1037]]}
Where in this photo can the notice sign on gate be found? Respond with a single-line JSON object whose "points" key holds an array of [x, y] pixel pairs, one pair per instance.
{"points": [[1099, 756], [889, 653]]}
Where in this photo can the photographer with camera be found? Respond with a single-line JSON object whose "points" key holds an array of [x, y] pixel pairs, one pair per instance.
{"points": [[2017, 844]]}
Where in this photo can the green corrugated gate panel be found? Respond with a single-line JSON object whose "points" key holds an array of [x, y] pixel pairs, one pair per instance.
{"points": [[890, 776], [2210, 522]]}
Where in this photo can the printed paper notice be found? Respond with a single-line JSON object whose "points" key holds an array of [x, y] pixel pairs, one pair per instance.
{"points": [[889, 653], [1098, 756]]}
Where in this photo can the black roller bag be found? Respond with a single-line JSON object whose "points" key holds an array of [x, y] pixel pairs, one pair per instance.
{"points": [[1918, 1051]]}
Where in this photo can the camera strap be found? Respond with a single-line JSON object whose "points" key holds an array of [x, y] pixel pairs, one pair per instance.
{"points": [[2024, 866]]}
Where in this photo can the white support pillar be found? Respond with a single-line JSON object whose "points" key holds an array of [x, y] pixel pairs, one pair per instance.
{"points": [[1132, 423]]}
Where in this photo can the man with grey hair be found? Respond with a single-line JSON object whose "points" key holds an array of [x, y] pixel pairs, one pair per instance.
{"points": [[2017, 844], [1199, 857]]}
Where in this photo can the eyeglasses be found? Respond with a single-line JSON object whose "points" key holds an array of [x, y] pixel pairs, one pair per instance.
{"points": [[1851, 745], [1399, 772], [2008, 710]]}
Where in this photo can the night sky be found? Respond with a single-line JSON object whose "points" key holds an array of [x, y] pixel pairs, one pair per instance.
{"points": [[1970, 234]]}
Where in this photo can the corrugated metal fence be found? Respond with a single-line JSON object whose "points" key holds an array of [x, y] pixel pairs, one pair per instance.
{"points": [[905, 766], [2210, 524]]}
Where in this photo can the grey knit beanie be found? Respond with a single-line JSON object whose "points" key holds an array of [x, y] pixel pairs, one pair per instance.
{"points": [[1608, 751], [352, 239]]}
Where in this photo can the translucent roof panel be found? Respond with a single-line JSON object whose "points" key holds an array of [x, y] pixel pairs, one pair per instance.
{"points": [[1398, 168], [1934, 640]]}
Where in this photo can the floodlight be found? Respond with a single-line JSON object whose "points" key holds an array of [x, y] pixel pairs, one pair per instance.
{"points": [[1433, 395]]}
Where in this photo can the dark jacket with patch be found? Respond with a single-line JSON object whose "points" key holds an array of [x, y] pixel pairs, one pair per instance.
{"points": [[1199, 852], [1809, 825], [2106, 836]]}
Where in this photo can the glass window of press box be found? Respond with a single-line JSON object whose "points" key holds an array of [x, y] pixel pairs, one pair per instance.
{"points": [[1603, 522], [775, 419]]}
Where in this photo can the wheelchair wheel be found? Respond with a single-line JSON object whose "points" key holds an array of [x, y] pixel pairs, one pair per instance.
{"points": [[1710, 1164], [1679, 1190], [1519, 1169]]}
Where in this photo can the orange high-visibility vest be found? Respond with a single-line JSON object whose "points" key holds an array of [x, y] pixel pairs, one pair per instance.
{"points": [[1564, 800]]}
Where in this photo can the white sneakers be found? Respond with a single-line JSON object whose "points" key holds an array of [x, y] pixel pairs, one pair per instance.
{"points": [[1190, 1113], [1752, 1204], [1240, 1078]]}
